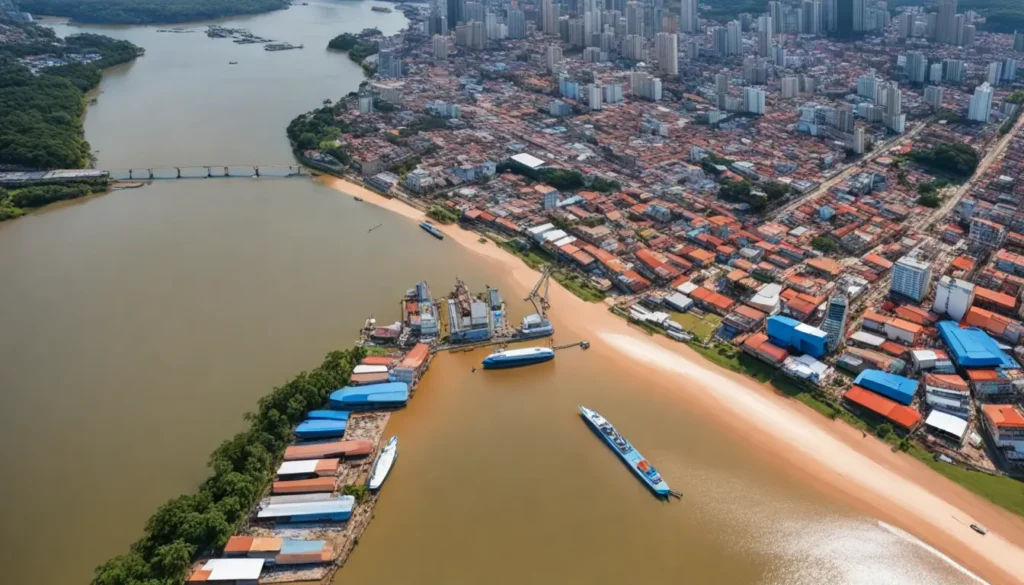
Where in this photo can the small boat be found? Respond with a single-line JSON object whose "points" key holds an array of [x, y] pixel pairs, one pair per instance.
{"points": [[232, 62], [513, 358], [383, 465], [380, 9], [979, 529], [358, 198], [432, 230], [630, 456]]}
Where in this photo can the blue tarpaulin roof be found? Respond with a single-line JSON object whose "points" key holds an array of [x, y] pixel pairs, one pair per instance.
{"points": [[973, 348], [889, 385]]}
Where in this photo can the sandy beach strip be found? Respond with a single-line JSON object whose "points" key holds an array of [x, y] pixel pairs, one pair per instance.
{"points": [[892, 487]]}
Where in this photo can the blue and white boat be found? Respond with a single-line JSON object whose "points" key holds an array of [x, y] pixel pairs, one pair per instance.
{"points": [[513, 358], [633, 459], [432, 230], [383, 465]]}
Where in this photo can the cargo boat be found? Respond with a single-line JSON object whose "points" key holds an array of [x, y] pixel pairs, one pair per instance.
{"points": [[513, 358], [535, 326], [432, 230], [633, 459], [383, 465], [381, 9]]}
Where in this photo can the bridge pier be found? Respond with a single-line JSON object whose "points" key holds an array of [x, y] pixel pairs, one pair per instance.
{"points": [[257, 169], [130, 174], [179, 171], [209, 173], [150, 174], [226, 173]]}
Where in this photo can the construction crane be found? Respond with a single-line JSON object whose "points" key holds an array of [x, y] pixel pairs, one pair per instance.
{"points": [[540, 302]]}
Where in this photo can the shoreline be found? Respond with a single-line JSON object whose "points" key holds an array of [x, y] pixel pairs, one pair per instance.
{"points": [[829, 455]]}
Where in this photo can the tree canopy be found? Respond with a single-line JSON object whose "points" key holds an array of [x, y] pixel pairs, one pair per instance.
{"points": [[957, 159], [40, 115], [148, 11]]}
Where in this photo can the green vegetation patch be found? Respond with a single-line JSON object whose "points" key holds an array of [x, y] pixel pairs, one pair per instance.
{"points": [[578, 285], [358, 48], [949, 159], [14, 202], [41, 115], [442, 214]]}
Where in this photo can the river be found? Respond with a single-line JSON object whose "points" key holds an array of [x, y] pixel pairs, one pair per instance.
{"points": [[140, 326]]}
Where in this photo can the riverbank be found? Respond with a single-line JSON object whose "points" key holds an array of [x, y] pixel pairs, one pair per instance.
{"points": [[830, 455]]}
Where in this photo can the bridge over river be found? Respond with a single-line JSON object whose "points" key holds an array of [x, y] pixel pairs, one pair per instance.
{"points": [[207, 172], [15, 178]]}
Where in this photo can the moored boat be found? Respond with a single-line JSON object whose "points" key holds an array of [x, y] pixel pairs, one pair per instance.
{"points": [[432, 230], [630, 456], [513, 358], [383, 465]]}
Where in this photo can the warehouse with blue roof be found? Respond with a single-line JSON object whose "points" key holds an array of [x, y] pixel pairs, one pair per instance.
{"points": [[973, 348], [801, 337], [390, 395], [889, 385]]}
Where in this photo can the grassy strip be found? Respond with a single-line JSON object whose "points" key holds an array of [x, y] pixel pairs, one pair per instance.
{"points": [[579, 286]]}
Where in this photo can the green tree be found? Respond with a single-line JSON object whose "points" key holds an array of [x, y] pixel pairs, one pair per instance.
{"points": [[950, 158], [307, 141], [170, 561], [149, 11], [824, 244]]}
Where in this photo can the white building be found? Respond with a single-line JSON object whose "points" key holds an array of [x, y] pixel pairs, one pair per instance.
{"points": [[753, 100], [690, 22], [910, 278], [613, 93], [366, 104], [642, 85], [953, 297], [593, 92], [995, 73], [981, 103], [667, 47], [933, 96], [440, 47], [554, 57], [790, 87]]}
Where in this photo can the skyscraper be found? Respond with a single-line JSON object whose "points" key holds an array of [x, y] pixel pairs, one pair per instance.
{"points": [[994, 73], [734, 38], [690, 21], [549, 17], [454, 12], [844, 17], [858, 16], [634, 19], [719, 40], [981, 103], [440, 47], [955, 70], [916, 67], [721, 83], [945, 25], [516, 24], [835, 317], [1018, 41], [753, 100], [667, 47], [633, 48], [591, 21], [764, 35], [554, 57], [829, 14], [594, 93], [790, 86], [933, 96], [775, 13]]}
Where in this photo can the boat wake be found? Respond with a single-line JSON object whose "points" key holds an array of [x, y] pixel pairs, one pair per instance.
{"points": [[906, 536]]}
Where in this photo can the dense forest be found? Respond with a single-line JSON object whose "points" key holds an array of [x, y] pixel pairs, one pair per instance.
{"points": [[14, 202], [148, 11], [949, 159], [193, 524], [40, 115]]}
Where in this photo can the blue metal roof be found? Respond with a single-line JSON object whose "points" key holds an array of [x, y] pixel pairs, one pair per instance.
{"points": [[391, 393], [295, 547], [889, 385], [973, 348], [318, 428], [328, 414]]}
